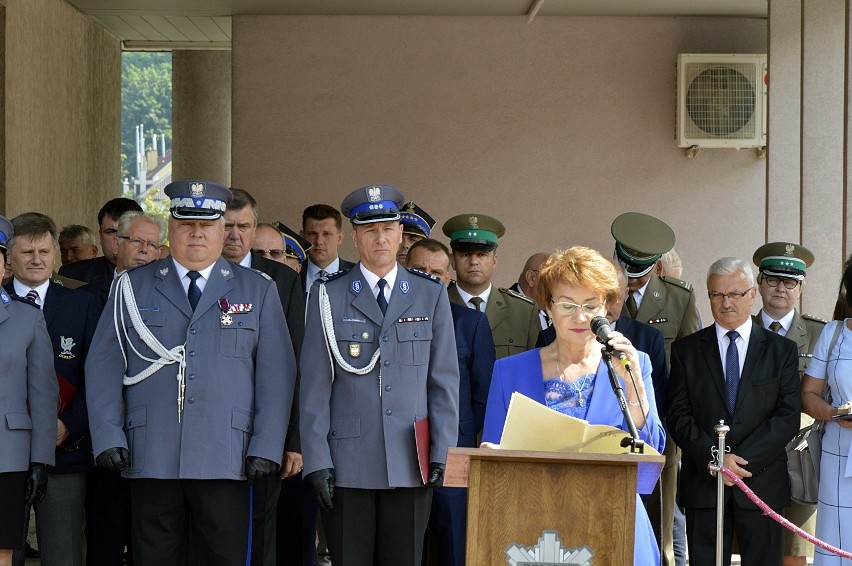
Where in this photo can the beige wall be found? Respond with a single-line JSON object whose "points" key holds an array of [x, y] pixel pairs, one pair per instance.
{"points": [[62, 109], [555, 127]]}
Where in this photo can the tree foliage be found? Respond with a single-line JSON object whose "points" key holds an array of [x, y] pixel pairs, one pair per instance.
{"points": [[146, 98]]}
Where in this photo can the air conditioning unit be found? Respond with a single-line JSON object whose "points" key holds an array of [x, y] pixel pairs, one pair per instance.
{"points": [[721, 100]]}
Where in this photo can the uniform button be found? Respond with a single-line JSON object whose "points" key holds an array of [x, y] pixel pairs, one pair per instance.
{"points": [[192, 354], [511, 341], [388, 412], [191, 400], [193, 331], [354, 336], [334, 433], [239, 324], [384, 338], [387, 363], [192, 376], [388, 387], [415, 335]]}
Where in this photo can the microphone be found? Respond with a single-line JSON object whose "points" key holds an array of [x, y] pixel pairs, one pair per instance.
{"points": [[601, 328]]}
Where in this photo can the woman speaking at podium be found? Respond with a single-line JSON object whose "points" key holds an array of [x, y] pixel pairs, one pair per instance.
{"points": [[570, 375]]}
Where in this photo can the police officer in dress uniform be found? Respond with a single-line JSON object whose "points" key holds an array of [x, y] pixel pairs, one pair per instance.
{"points": [[295, 247], [512, 317], [781, 281], [191, 383], [667, 304], [378, 357], [28, 395], [416, 225]]}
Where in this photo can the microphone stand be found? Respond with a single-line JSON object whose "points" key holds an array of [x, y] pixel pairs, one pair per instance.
{"points": [[636, 444]]}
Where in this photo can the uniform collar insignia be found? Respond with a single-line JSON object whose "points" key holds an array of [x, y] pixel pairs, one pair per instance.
{"points": [[357, 286], [164, 271], [404, 286], [226, 272], [4, 297]]}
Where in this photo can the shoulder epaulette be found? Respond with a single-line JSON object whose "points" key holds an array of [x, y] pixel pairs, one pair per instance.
{"points": [[333, 276], [814, 318], [676, 281], [516, 295], [253, 269], [23, 300], [424, 275]]}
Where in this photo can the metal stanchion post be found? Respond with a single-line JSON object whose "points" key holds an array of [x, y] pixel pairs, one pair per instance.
{"points": [[719, 455]]}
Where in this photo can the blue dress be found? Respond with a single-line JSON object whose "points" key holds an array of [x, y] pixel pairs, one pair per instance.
{"points": [[834, 508], [523, 373]]}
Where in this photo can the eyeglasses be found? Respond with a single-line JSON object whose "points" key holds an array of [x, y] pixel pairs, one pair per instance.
{"points": [[774, 281], [274, 254], [570, 309], [733, 295], [138, 243]]}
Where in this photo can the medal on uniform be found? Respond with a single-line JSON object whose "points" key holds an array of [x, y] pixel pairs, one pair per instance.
{"points": [[355, 349], [226, 319]]}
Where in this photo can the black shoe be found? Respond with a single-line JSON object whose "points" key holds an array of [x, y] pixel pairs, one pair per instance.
{"points": [[30, 552]]}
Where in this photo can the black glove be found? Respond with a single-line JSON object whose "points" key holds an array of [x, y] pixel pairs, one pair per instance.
{"points": [[321, 485], [436, 475], [114, 459], [36, 483], [257, 467]]}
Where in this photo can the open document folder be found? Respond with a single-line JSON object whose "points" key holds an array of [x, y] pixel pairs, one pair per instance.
{"points": [[533, 426]]}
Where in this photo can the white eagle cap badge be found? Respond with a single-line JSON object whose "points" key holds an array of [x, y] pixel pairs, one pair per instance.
{"points": [[473, 221], [789, 249], [374, 194], [196, 189]]}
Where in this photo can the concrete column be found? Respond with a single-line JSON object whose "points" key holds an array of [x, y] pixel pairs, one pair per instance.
{"points": [[201, 115], [807, 141]]}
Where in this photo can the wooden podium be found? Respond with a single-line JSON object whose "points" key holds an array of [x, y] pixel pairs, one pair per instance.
{"points": [[589, 500]]}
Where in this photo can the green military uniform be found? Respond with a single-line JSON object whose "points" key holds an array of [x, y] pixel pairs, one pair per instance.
{"points": [[512, 317], [785, 260], [513, 320], [668, 304]]}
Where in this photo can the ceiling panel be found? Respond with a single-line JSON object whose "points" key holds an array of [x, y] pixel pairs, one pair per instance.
{"points": [[182, 23]]}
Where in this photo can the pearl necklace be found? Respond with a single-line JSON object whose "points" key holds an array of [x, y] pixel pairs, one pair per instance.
{"points": [[581, 401]]}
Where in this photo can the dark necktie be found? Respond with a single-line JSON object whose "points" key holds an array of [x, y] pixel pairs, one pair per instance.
{"points": [[194, 292], [32, 296], [380, 298], [476, 302], [732, 370], [775, 326], [631, 305]]}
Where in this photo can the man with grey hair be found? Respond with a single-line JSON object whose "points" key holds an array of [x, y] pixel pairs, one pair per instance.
{"points": [[736, 372], [669, 265], [71, 317], [76, 243]]}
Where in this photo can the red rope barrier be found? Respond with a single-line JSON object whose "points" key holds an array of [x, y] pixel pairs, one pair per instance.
{"points": [[779, 519]]}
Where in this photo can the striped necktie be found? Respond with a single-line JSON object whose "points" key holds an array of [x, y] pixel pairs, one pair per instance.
{"points": [[32, 296]]}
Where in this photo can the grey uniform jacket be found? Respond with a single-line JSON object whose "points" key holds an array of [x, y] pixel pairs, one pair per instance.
{"points": [[240, 374], [363, 425], [29, 392]]}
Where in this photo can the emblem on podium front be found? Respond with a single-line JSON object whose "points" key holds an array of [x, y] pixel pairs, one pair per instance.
{"points": [[548, 552]]}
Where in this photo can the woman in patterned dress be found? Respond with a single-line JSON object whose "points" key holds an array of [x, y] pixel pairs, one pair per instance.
{"points": [[569, 375]]}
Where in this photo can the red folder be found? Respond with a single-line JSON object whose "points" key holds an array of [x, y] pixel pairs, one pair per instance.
{"points": [[421, 440]]}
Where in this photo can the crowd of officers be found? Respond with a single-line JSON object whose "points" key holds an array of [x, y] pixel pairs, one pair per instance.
{"points": [[211, 401]]}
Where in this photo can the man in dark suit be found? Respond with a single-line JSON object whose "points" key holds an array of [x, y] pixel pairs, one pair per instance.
{"points": [[240, 228], [103, 267], [475, 349], [747, 376], [71, 316], [107, 493], [322, 226], [527, 284]]}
